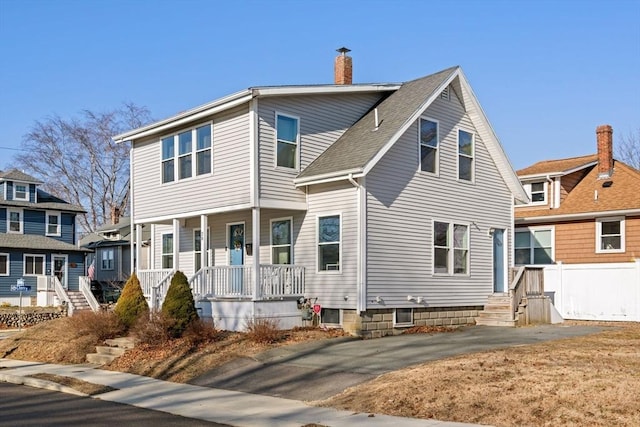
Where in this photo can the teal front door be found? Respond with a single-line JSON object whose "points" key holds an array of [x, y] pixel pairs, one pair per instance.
{"points": [[236, 257], [498, 260]]}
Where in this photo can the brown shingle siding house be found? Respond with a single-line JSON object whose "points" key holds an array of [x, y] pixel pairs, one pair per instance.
{"points": [[582, 210]]}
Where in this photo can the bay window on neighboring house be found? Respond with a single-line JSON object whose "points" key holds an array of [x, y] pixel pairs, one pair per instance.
{"points": [[450, 248], [534, 246], [107, 258], [167, 250], [53, 224], [14, 221], [33, 265], [287, 141], [181, 165], [610, 235], [465, 155], [329, 241], [428, 145], [281, 241]]}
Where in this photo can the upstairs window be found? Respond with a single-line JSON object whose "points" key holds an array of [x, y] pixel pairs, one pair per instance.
{"points": [[193, 155], [281, 241], [20, 192], [610, 234], [450, 248], [428, 146], [329, 243], [107, 259], [534, 246], [14, 223], [537, 192], [287, 137], [465, 155], [53, 224]]}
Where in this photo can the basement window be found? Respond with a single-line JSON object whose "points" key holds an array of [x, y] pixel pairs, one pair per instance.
{"points": [[403, 317]]}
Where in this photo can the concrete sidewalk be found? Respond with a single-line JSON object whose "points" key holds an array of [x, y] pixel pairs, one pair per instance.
{"points": [[204, 403]]}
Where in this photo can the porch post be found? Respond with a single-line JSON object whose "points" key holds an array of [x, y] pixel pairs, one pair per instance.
{"points": [[256, 252], [137, 246], [176, 244], [204, 241]]}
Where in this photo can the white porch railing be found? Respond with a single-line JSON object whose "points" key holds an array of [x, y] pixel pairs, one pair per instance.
{"points": [[85, 288], [159, 291], [276, 281], [153, 278], [62, 295]]}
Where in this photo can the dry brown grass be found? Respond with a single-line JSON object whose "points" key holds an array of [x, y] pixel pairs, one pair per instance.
{"points": [[592, 380], [76, 384]]}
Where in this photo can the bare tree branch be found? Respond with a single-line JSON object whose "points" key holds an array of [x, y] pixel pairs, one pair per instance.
{"points": [[80, 163], [628, 148]]}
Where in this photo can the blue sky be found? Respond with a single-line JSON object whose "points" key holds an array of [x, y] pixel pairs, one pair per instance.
{"points": [[546, 73]]}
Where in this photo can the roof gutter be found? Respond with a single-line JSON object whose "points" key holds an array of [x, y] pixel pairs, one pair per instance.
{"points": [[576, 216], [329, 177]]}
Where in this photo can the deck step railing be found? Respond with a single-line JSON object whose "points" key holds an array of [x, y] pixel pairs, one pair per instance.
{"points": [[527, 281]]}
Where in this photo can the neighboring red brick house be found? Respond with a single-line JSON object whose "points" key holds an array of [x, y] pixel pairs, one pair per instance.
{"points": [[582, 210]]}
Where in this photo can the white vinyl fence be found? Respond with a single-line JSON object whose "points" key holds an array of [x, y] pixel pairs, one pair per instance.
{"points": [[595, 291]]}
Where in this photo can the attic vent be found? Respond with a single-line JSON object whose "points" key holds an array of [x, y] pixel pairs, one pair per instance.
{"points": [[445, 93]]}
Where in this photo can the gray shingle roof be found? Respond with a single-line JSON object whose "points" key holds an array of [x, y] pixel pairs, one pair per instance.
{"points": [[53, 206], [361, 142], [36, 242], [16, 175]]}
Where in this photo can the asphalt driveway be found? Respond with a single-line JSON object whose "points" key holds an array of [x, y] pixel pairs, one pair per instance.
{"points": [[319, 369]]}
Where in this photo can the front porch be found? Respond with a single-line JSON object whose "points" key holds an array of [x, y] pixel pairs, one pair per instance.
{"points": [[230, 282]]}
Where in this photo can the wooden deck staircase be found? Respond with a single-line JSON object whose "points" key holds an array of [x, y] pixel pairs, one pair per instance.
{"points": [[525, 303]]}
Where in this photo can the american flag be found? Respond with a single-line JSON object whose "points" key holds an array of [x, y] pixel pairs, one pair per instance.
{"points": [[92, 269]]}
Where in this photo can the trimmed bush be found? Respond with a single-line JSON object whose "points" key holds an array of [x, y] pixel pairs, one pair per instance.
{"points": [[131, 304], [179, 305]]}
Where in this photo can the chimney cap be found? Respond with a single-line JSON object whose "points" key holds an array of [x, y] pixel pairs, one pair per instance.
{"points": [[343, 50]]}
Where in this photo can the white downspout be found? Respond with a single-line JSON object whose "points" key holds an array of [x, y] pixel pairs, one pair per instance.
{"points": [[551, 192], [361, 244]]}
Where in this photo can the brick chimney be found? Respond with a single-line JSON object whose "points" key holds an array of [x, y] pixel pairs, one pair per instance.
{"points": [[115, 215], [604, 135], [343, 69]]}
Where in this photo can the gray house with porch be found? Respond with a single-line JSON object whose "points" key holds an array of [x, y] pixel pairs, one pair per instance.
{"points": [[386, 205]]}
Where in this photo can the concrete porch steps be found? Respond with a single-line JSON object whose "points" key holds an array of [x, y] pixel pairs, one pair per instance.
{"points": [[78, 301], [497, 312], [113, 349]]}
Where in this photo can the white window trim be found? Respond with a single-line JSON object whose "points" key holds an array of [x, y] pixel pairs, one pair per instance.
{"points": [[437, 148], [317, 229], [552, 228], [271, 246], [102, 259], [26, 192], [194, 154], [599, 222], [340, 313], [59, 225], [24, 264], [162, 253], [275, 145], [8, 264], [196, 254], [21, 213], [527, 187], [402, 324], [451, 247], [472, 157]]}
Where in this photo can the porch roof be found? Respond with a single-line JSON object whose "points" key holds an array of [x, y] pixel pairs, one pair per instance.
{"points": [[36, 242]]}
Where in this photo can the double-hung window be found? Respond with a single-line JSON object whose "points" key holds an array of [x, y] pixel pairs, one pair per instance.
{"points": [[197, 247], [281, 241], [14, 221], [450, 248], [4, 264], [465, 155], [187, 154], [20, 192], [33, 265], [428, 146], [329, 237], [53, 224], [534, 246], [107, 258], [167, 250], [287, 138], [610, 235]]}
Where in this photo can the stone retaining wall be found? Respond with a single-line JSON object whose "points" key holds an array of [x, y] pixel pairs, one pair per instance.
{"points": [[14, 320], [379, 323]]}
